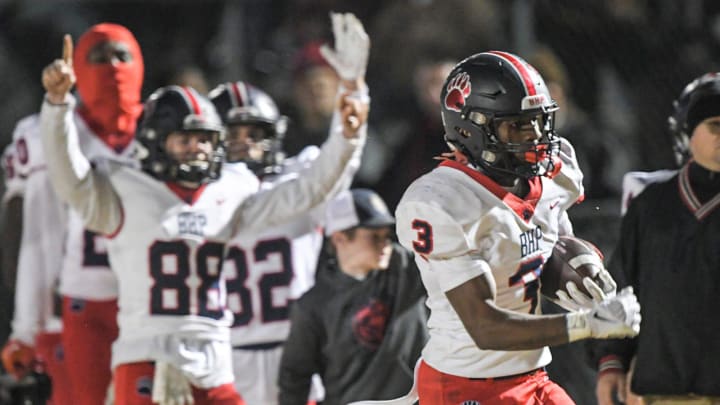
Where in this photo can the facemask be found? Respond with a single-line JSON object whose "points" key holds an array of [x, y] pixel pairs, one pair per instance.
{"points": [[110, 93]]}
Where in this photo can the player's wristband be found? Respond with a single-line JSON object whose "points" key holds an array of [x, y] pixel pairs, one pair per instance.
{"points": [[578, 325]]}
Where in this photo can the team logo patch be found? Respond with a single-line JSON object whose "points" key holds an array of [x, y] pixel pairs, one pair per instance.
{"points": [[143, 386], [369, 323], [534, 101], [458, 89], [77, 305]]}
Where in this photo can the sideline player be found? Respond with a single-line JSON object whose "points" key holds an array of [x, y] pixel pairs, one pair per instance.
{"points": [[109, 65], [168, 223], [267, 270]]}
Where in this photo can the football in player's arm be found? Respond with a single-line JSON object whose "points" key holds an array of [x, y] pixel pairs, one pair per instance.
{"points": [[482, 224]]}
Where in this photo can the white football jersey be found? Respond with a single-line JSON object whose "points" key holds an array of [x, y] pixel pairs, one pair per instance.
{"points": [[461, 224], [42, 235], [268, 269], [86, 270], [167, 257]]}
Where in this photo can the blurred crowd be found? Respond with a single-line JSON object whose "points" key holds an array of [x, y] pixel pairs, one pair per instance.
{"points": [[612, 66], [598, 67]]}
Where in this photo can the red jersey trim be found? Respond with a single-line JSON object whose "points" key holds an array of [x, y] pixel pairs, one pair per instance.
{"points": [[690, 199], [524, 208], [189, 195], [120, 226]]}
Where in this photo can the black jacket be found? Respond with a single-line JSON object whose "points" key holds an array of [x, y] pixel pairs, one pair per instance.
{"points": [[362, 337], [672, 259]]}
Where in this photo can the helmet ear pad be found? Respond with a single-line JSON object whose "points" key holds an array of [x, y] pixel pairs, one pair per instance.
{"points": [[485, 89], [175, 109]]}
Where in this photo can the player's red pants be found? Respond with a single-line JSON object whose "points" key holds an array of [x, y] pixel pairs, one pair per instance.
{"points": [[436, 388], [89, 328], [133, 386], [49, 349]]}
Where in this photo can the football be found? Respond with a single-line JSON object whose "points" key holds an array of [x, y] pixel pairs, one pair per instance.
{"points": [[572, 259]]}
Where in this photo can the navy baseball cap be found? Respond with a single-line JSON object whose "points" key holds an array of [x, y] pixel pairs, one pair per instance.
{"points": [[357, 207]]}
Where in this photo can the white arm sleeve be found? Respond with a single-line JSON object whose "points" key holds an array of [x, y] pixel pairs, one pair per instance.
{"points": [[40, 258], [86, 190], [330, 173]]}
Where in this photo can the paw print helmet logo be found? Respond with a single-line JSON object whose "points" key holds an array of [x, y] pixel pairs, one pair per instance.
{"points": [[458, 89], [487, 89]]}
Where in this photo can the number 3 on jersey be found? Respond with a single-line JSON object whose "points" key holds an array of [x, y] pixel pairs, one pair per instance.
{"points": [[423, 243]]}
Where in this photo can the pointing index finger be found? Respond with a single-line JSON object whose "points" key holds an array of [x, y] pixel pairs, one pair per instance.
{"points": [[67, 49]]}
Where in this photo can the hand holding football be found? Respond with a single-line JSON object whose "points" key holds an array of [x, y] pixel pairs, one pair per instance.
{"points": [[573, 259]]}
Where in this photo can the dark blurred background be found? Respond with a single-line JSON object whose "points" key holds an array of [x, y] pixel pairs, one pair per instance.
{"points": [[620, 61], [614, 66]]}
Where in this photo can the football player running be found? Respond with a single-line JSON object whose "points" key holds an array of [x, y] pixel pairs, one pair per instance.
{"points": [[482, 224], [168, 224]]}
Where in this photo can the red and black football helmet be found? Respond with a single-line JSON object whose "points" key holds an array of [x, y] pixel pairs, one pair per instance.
{"points": [[698, 100], [240, 103], [482, 91], [179, 109]]}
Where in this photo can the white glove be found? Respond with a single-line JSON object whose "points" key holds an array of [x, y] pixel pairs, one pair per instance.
{"points": [[614, 317], [352, 47], [170, 386], [577, 300]]}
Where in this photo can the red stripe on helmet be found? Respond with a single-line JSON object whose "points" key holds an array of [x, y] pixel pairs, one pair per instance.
{"points": [[521, 69], [193, 101], [238, 100]]}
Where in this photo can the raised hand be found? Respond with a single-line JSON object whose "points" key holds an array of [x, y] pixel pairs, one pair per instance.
{"points": [[353, 114], [352, 47], [58, 77]]}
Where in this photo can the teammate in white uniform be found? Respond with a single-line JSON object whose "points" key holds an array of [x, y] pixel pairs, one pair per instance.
{"points": [[110, 68], [168, 225], [36, 327], [267, 270], [482, 225]]}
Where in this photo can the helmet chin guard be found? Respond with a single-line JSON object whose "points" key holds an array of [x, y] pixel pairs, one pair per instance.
{"points": [[487, 89]]}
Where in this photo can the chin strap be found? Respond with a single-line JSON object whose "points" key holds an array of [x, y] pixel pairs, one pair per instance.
{"points": [[455, 155]]}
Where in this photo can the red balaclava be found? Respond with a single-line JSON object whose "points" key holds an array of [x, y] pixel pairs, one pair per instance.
{"points": [[110, 94]]}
